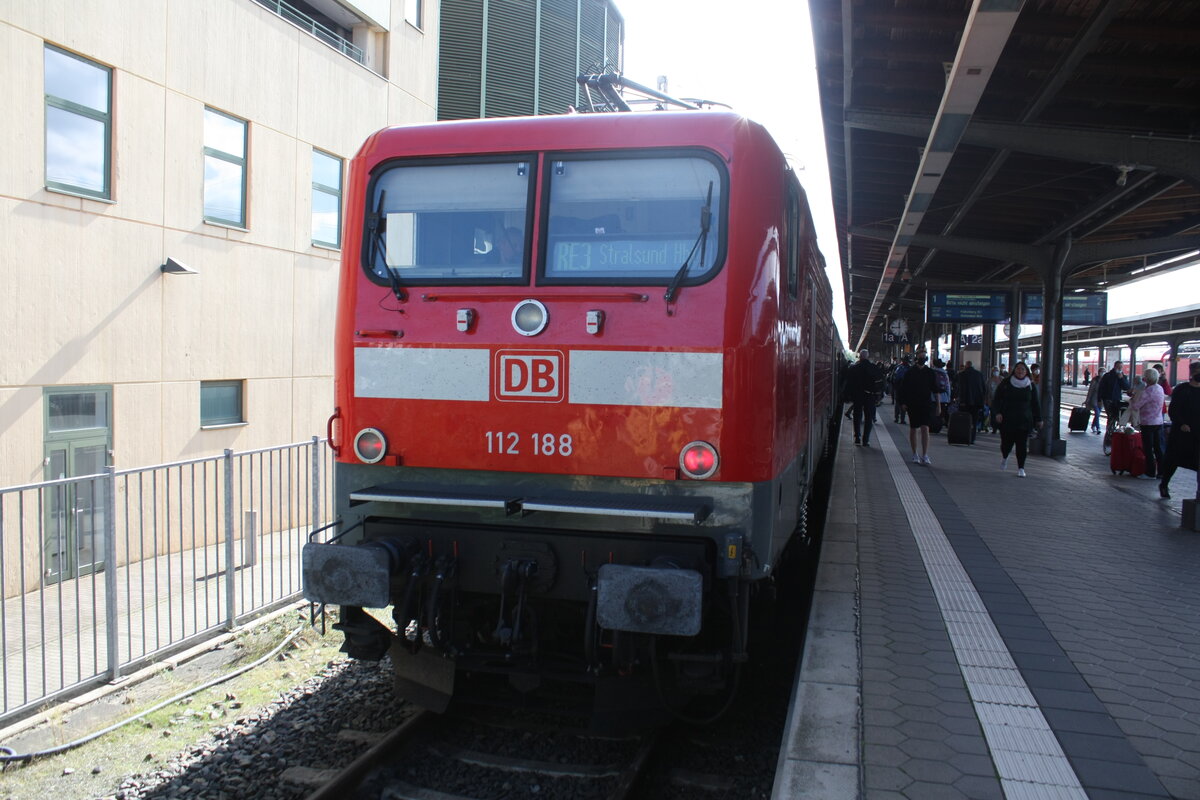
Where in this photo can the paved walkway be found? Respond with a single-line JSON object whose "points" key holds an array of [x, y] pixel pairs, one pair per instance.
{"points": [[56, 637], [979, 635]]}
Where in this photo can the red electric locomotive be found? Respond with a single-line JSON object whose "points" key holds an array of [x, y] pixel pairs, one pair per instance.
{"points": [[584, 375]]}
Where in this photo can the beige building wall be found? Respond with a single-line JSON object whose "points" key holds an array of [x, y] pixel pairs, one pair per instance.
{"points": [[84, 301]]}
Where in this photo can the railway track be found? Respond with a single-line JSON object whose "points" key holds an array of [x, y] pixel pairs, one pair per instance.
{"points": [[457, 757], [336, 785], [548, 754]]}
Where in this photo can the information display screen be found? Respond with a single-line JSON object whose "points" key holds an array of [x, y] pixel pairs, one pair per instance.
{"points": [[972, 307], [621, 256], [1079, 308]]}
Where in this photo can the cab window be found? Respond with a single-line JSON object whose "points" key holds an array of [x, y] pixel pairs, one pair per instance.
{"points": [[633, 220], [449, 222]]}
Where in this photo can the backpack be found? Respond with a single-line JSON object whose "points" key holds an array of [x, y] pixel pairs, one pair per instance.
{"points": [[878, 381], [943, 381]]}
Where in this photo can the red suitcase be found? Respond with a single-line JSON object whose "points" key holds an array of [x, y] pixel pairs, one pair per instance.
{"points": [[1127, 453]]}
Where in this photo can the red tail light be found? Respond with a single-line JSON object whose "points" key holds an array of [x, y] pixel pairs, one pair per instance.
{"points": [[370, 446], [699, 460]]}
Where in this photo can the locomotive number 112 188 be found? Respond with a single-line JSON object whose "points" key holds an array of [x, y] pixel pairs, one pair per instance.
{"points": [[509, 443]]}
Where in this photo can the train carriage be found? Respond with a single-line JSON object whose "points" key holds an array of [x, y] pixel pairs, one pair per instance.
{"points": [[584, 373]]}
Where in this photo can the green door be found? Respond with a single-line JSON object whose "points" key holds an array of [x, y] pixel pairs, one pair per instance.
{"points": [[76, 513]]}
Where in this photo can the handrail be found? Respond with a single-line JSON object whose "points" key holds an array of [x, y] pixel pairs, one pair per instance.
{"points": [[304, 22], [187, 462], [130, 565]]}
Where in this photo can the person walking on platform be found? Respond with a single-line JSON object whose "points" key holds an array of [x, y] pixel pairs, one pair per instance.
{"points": [[1162, 379], [1093, 404], [1112, 386], [916, 392], [1148, 403], [1183, 445], [1165, 385], [993, 383], [898, 378], [1018, 413], [864, 383], [942, 395], [971, 393]]}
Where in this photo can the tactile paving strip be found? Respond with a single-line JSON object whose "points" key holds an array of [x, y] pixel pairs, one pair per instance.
{"points": [[1028, 758]]}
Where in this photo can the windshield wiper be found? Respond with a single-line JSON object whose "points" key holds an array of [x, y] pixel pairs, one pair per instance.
{"points": [[376, 225], [701, 242]]}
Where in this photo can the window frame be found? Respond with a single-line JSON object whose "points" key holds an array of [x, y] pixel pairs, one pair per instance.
{"points": [[335, 192], [104, 390], [416, 17], [522, 279], [242, 163], [71, 107], [224, 422], [719, 219]]}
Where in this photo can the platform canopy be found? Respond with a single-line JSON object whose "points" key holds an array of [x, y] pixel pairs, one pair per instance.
{"points": [[983, 142]]}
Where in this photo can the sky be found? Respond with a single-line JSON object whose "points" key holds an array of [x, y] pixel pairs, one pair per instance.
{"points": [[757, 56]]}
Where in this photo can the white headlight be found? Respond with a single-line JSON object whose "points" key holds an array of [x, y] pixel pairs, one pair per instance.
{"points": [[529, 318]]}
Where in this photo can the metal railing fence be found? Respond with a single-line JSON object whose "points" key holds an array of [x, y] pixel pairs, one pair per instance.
{"points": [[102, 574], [323, 32]]}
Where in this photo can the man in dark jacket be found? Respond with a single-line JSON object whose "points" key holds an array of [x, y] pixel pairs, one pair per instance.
{"points": [[1113, 385], [971, 392], [1183, 445], [864, 384]]}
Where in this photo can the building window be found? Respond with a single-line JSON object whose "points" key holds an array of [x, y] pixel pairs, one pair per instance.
{"points": [[70, 410], [220, 403], [224, 168], [78, 124], [326, 199], [414, 12]]}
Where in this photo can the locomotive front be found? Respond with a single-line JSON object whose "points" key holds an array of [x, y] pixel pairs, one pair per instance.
{"points": [[549, 464]]}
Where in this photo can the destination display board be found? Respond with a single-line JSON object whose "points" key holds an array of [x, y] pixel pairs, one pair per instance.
{"points": [[968, 307], [1079, 308], [619, 257]]}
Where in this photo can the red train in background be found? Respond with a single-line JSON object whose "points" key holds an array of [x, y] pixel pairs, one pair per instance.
{"points": [[585, 371]]}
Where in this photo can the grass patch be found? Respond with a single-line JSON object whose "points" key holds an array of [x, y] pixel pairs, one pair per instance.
{"points": [[146, 745]]}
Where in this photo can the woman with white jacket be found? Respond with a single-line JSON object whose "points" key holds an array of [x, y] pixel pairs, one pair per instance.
{"points": [[1148, 403]]}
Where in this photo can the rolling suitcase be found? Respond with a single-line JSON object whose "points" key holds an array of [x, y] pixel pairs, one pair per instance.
{"points": [[1124, 446], [958, 431], [1079, 419]]}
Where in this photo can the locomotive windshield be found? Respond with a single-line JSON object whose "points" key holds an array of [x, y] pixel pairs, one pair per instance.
{"points": [[633, 220], [613, 219], [449, 222]]}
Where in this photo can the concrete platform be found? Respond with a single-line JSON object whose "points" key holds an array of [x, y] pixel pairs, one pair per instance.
{"points": [[979, 635]]}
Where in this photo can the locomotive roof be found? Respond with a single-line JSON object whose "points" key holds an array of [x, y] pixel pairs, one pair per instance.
{"points": [[715, 129]]}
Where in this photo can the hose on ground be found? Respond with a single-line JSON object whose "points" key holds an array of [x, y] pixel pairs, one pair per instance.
{"points": [[9, 756]]}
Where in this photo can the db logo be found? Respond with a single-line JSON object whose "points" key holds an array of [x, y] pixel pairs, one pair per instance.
{"points": [[530, 375]]}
